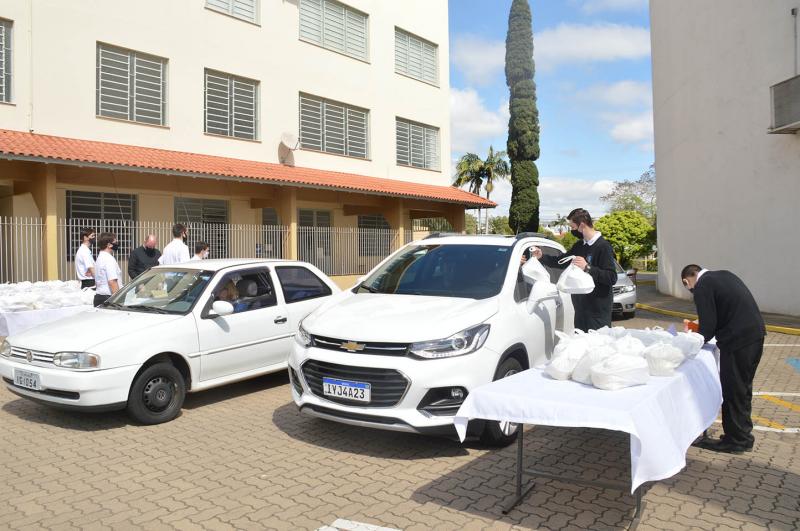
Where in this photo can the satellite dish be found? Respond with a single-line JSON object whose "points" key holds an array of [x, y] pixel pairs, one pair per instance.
{"points": [[289, 140]]}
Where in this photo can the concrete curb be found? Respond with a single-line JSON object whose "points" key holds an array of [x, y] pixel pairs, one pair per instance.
{"points": [[684, 315]]}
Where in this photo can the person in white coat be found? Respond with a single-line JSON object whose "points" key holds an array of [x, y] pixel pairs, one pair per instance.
{"points": [[84, 261], [176, 251], [107, 274]]}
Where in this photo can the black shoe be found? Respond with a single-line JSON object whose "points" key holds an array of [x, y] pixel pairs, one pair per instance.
{"points": [[724, 446]]}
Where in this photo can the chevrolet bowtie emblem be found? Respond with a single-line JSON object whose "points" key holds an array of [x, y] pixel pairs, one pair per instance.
{"points": [[352, 346], [29, 356]]}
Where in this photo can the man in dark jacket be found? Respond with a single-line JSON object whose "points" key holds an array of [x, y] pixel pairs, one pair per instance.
{"points": [[594, 255], [727, 310], [144, 257]]}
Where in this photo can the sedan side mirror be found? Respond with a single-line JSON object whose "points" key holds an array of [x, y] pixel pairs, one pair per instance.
{"points": [[221, 309]]}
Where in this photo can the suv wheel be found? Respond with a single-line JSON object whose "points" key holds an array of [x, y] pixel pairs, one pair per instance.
{"points": [[502, 433], [157, 394]]}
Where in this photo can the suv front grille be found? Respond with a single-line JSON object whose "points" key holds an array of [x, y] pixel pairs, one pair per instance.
{"points": [[387, 386], [617, 290], [380, 349], [37, 356]]}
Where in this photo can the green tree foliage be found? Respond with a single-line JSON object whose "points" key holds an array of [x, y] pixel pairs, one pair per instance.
{"points": [[471, 224], [629, 233], [523, 124], [638, 196], [475, 173], [499, 225]]}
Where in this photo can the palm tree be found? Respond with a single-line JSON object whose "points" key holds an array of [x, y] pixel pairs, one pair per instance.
{"points": [[469, 172], [495, 167]]}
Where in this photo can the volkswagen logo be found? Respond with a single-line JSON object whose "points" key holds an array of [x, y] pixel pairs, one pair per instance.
{"points": [[352, 346], [29, 356]]}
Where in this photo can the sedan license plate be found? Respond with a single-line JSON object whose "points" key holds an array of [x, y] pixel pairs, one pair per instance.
{"points": [[28, 380], [346, 389]]}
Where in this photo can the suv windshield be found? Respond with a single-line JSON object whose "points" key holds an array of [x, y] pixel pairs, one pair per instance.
{"points": [[469, 271], [161, 291]]}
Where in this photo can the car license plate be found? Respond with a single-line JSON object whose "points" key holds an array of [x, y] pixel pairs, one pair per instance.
{"points": [[346, 389], [28, 380]]}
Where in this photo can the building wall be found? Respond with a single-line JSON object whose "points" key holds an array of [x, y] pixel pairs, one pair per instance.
{"points": [[727, 190], [54, 45]]}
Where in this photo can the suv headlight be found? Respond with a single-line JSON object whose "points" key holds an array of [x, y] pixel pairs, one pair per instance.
{"points": [[628, 289], [464, 342], [5, 349], [76, 360], [302, 337]]}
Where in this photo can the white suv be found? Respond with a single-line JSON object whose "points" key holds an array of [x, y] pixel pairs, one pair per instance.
{"points": [[436, 319]]}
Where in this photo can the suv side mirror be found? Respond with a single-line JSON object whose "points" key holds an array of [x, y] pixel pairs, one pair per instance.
{"points": [[220, 309]]}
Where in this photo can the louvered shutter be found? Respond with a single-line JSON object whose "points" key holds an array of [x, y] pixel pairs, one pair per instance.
{"points": [[357, 133], [217, 104], [403, 143], [334, 128], [311, 123], [417, 145], [5, 61], [400, 52], [244, 116], [244, 9], [148, 92], [415, 57], [356, 33], [431, 148], [231, 106], [131, 86], [430, 63], [333, 36], [311, 21], [113, 83]]}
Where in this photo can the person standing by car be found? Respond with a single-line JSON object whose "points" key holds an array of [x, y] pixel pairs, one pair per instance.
{"points": [[593, 255], [727, 310], [201, 250], [143, 257], [84, 262], [176, 251], [107, 272]]}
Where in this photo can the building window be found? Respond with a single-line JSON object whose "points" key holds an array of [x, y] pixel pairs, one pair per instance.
{"points": [[417, 145], [103, 212], [334, 26], [243, 9], [207, 222], [374, 236], [5, 60], [415, 57], [333, 127], [131, 85], [231, 105]]}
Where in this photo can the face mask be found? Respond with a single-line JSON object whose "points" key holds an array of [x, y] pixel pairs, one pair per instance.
{"points": [[150, 251], [115, 246], [578, 234], [205, 254], [91, 242]]}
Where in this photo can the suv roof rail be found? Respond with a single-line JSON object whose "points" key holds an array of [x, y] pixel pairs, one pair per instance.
{"points": [[441, 235], [530, 235]]}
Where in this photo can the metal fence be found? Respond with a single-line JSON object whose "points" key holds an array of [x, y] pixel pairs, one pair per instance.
{"points": [[21, 241], [347, 250]]}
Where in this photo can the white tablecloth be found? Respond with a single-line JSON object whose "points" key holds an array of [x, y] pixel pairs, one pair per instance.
{"points": [[662, 417], [15, 322]]}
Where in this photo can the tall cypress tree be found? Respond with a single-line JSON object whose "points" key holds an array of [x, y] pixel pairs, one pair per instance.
{"points": [[523, 125]]}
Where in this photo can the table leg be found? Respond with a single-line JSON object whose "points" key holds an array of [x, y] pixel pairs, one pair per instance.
{"points": [[518, 490], [637, 514]]}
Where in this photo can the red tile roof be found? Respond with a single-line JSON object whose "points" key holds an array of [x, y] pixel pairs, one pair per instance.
{"points": [[21, 145]]}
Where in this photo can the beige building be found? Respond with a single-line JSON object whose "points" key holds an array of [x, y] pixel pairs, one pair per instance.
{"points": [[312, 121], [724, 86]]}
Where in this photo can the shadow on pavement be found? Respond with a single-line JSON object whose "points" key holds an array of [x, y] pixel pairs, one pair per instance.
{"points": [[69, 420], [235, 390], [362, 441]]}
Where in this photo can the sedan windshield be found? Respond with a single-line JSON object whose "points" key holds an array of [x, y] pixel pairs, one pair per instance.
{"points": [[469, 271], [161, 291]]}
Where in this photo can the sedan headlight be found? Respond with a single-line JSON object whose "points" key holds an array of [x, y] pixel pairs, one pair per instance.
{"points": [[464, 342], [302, 337], [628, 289], [76, 360], [5, 349]]}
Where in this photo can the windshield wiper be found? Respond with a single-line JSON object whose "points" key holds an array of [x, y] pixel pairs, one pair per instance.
{"points": [[146, 308], [368, 288], [114, 305]]}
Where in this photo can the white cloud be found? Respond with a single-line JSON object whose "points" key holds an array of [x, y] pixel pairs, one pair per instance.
{"points": [[473, 126], [620, 94], [479, 59], [581, 43], [631, 128], [597, 6]]}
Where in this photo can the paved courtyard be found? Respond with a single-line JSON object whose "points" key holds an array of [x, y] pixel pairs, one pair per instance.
{"points": [[242, 457]]}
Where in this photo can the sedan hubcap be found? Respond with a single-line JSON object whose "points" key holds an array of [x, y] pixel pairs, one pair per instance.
{"points": [[158, 393]]}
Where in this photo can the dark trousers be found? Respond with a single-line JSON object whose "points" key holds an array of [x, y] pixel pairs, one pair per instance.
{"points": [[100, 299], [87, 283], [586, 321], [737, 368]]}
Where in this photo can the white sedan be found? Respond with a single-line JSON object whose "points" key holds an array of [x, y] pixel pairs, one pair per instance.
{"points": [[173, 330]]}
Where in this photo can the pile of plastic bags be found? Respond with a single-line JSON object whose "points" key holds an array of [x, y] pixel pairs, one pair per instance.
{"points": [[26, 296], [614, 358]]}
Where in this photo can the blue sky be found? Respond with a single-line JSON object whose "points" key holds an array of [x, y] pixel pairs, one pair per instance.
{"points": [[593, 87]]}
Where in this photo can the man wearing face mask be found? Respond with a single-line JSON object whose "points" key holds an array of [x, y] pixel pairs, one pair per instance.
{"points": [[108, 275], [201, 250], [143, 257], [176, 251], [593, 255], [84, 263], [727, 310]]}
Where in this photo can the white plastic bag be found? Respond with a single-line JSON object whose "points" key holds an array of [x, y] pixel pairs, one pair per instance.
{"points": [[663, 359], [560, 368], [629, 346], [569, 346], [575, 281], [689, 343], [620, 371], [534, 270], [583, 370]]}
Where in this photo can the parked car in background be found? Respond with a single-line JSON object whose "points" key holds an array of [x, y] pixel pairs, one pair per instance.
{"points": [[403, 348], [624, 294], [173, 330]]}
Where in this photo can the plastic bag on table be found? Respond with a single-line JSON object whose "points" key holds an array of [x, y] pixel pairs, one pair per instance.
{"points": [[620, 371], [560, 368], [575, 281], [571, 347], [689, 343], [663, 359], [629, 346], [583, 370]]}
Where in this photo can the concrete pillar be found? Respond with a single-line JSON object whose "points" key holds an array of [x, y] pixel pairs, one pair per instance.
{"points": [[398, 222], [457, 218], [290, 216], [48, 205]]}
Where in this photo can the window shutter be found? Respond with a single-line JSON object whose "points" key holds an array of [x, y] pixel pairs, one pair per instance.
{"points": [[334, 23], [356, 34], [431, 148], [334, 128], [131, 86], [149, 85], [417, 145], [403, 143], [311, 21], [310, 123], [244, 109], [222, 5], [357, 133], [415, 57], [400, 52], [231, 106], [429, 63], [245, 9], [217, 104], [5, 61], [113, 83]]}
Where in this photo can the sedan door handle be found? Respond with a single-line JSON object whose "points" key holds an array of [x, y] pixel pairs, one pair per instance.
{"points": [[280, 320]]}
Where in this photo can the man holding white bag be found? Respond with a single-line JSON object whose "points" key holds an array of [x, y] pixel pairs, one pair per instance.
{"points": [[593, 255]]}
